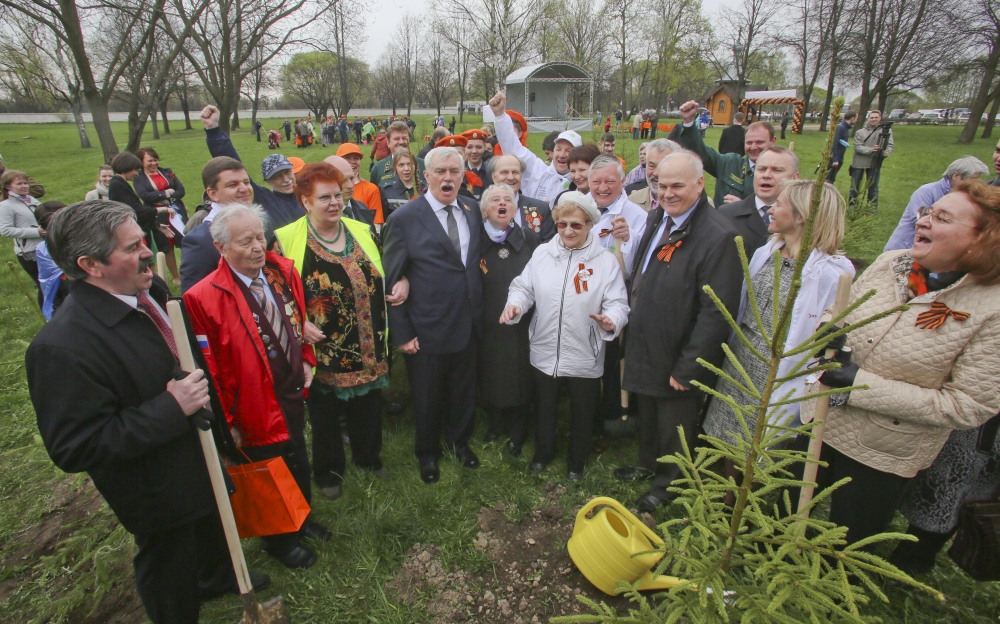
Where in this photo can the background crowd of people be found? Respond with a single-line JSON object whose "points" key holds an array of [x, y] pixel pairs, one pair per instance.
{"points": [[502, 274]]}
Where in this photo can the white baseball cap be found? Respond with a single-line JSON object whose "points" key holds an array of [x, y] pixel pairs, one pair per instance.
{"points": [[569, 135]]}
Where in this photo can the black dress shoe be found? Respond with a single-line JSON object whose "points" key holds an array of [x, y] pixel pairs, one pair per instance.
{"points": [[514, 449], [315, 531], [298, 557], [429, 472], [258, 580], [574, 476], [467, 457], [649, 503], [633, 473], [537, 466]]}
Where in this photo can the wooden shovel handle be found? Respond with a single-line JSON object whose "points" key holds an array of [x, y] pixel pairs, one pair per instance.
{"points": [[822, 407], [211, 455]]}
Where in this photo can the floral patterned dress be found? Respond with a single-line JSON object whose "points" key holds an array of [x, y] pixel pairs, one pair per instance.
{"points": [[345, 298]]}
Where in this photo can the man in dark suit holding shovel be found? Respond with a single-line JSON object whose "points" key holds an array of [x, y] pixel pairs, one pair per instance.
{"points": [[120, 413]]}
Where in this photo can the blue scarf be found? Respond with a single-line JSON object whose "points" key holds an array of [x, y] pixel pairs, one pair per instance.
{"points": [[497, 236]]}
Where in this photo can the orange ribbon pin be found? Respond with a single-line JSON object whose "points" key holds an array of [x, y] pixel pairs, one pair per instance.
{"points": [[667, 252], [580, 281], [937, 315]]}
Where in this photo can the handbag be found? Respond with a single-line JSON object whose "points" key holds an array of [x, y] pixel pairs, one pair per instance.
{"points": [[976, 548], [267, 500]]}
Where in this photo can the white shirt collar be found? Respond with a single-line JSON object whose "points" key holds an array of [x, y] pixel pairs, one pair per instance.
{"points": [[243, 278], [680, 220], [614, 207], [130, 300], [211, 213], [435, 204], [760, 205]]}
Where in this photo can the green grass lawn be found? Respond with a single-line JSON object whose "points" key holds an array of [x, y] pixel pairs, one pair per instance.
{"points": [[55, 564]]}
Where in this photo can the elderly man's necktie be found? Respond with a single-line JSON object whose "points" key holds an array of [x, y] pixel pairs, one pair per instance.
{"points": [[453, 230], [271, 313]]}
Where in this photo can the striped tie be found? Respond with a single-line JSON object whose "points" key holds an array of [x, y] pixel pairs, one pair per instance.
{"points": [[271, 312]]}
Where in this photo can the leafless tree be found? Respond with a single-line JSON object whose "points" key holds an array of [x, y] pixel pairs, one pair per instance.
{"points": [[344, 29], [437, 69], [501, 33], [896, 45], [33, 57], [745, 41], [626, 45], [65, 20], [980, 22], [814, 28], [227, 36]]}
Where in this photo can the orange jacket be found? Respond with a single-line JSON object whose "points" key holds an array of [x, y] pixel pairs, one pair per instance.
{"points": [[367, 193]]}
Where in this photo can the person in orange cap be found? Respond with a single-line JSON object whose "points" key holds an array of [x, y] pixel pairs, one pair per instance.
{"points": [[473, 183], [475, 150], [364, 191]]}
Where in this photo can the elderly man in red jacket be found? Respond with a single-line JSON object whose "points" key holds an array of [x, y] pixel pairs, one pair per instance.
{"points": [[249, 316]]}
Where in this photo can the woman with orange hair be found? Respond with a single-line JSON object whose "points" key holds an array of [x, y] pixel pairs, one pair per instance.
{"points": [[342, 276]]}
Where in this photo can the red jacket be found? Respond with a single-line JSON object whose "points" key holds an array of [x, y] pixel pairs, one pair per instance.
{"points": [[381, 148], [235, 353]]}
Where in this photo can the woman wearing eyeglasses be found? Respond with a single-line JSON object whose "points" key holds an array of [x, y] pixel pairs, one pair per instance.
{"points": [[929, 370], [342, 276], [578, 294]]}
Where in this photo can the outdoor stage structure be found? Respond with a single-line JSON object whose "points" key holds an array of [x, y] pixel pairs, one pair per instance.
{"points": [[541, 93], [756, 99]]}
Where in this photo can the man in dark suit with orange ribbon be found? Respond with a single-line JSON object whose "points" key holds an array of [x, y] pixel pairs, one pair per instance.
{"points": [[686, 246]]}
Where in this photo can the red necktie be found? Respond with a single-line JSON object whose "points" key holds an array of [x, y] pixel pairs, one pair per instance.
{"points": [[147, 306]]}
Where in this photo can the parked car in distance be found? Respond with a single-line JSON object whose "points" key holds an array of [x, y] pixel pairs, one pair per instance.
{"points": [[914, 116], [897, 113]]}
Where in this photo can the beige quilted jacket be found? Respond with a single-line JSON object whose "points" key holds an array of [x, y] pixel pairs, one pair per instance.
{"points": [[923, 383]]}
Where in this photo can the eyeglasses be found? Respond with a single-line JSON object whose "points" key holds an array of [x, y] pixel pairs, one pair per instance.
{"points": [[938, 217], [562, 225]]}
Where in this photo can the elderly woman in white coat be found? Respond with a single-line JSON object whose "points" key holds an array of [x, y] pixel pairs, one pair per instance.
{"points": [[820, 275], [578, 292]]}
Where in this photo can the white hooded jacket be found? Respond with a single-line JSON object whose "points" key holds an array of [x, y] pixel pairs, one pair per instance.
{"points": [[566, 286]]}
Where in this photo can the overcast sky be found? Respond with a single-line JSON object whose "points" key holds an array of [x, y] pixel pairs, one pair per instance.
{"points": [[389, 12]]}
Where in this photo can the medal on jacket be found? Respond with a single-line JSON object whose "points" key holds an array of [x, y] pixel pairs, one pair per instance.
{"points": [[503, 253], [482, 266], [533, 219], [580, 281]]}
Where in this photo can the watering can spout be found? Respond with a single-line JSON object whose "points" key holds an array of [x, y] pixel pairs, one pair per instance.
{"points": [[649, 582]]}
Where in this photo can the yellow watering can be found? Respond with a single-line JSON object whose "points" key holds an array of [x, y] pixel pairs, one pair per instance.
{"points": [[604, 548]]}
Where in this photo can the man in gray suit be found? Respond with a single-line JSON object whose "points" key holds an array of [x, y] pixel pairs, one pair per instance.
{"points": [[434, 242], [750, 215]]}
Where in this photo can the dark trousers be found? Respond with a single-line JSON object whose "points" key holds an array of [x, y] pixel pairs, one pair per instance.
{"points": [[611, 383], [652, 132], [293, 451], [783, 132], [658, 422], [919, 557], [866, 505], [31, 268], [176, 569], [443, 389], [258, 136], [363, 416], [831, 174], [510, 420], [856, 175], [288, 135], [583, 398]]}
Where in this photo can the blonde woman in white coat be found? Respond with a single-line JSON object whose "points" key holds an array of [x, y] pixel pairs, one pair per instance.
{"points": [[578, 292], [820, 275]]}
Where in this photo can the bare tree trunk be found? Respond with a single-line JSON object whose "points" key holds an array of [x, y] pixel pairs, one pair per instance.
{"points": [[235, 125], [829, 92], [163, 115], [136, 127], [982, 96], [81, 126], [991, 119], [97, 105], [156, 129]]}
